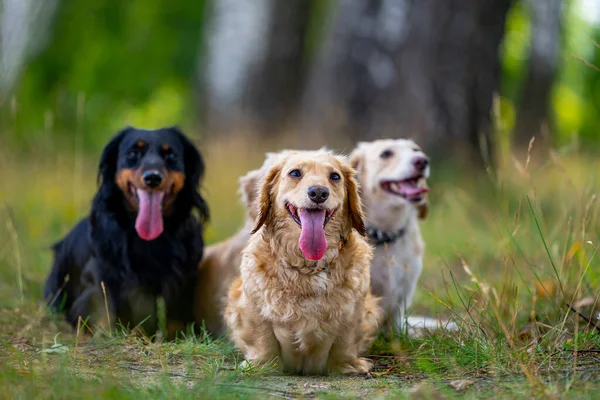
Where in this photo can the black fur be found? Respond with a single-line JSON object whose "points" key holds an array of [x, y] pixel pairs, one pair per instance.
{"points": [[105, 246]]}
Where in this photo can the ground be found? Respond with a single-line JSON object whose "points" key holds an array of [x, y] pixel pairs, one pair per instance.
{"points": [[507, 254]]}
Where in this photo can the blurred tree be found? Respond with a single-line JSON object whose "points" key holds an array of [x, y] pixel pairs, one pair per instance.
{"points": [[535, 108], [256, 63], [590, 130], [23, 28], [235, 37], [276, 84], [426, 69]]}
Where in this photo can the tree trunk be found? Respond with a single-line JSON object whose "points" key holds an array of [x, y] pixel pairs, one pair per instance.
{"points": [[236, 35], [257, 63], [353, 86], [545, 47], [425, 69], [276, 83]]}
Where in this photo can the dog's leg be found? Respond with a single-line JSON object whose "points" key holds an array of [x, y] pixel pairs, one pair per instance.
{"points": [[91, 307], [343, 357], [408, 284], [315, 361], [96, 304], [372, 316], [251, 334], [140, 310], [397, 319], [259, 343], [290, 357]]}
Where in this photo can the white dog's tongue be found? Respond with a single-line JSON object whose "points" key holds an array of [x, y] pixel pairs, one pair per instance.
{"points": [[149, 221], [410, 190], [313, 242]]}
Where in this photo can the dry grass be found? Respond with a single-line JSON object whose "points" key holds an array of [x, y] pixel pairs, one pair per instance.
{"points": [[505, 254]]}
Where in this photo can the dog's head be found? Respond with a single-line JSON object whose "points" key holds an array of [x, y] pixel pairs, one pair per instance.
{"points": [[312, 196], [156, 173], [393, 172]]}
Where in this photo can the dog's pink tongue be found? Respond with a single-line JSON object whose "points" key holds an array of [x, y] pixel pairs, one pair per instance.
{"points": [[149, 222], [412, 190], [313, 242]]}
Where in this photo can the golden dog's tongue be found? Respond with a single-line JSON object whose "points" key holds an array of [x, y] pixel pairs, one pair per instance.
{"points": [[149, 221], [313, 242]]}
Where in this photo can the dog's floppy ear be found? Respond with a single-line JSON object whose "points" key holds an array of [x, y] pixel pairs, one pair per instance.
{"points": [[423, 210], [424, 206], [357, 159], [249, 191], [354, 204], [107, 169], [194, 172], [265, 199], [248, 187], [250, 183]]}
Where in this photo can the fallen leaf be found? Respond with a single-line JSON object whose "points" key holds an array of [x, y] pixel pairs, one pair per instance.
{"points": [[545, 288], [382, 373], [573, 251]]}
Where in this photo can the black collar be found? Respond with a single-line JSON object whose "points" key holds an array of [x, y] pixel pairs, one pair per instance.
{"points": [[379, 238]]}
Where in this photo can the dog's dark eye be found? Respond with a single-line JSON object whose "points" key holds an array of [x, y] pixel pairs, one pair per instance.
{"points": [[295, 173], [416, 149], [335, 176], [386, 154], [133, 155], [170, 156]]}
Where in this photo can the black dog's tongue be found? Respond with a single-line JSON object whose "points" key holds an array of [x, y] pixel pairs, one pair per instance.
{"points": [[149, 221]]}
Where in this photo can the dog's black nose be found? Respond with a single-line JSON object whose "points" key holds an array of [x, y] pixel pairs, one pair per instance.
{"points": [[152, 178], [318, 194], [420, 163]]}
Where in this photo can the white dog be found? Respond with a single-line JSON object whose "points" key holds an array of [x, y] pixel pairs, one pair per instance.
{"points": [[392, 174]]}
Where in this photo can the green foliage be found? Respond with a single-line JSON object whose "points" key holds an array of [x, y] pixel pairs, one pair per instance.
{"points": [[575, 101], [515, 50], [109, 61]]}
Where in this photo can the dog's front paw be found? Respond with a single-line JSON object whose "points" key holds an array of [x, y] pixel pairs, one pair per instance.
{"points": [[357, 366], [253, 362]]}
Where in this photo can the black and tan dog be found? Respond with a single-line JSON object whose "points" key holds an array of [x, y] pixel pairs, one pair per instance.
{"points": [[141, 239]]}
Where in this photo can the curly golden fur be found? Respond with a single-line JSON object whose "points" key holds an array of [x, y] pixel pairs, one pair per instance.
{"points": [[315, 317]]}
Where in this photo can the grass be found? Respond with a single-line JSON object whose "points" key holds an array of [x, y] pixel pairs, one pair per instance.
{"points": [[506, 253]]}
